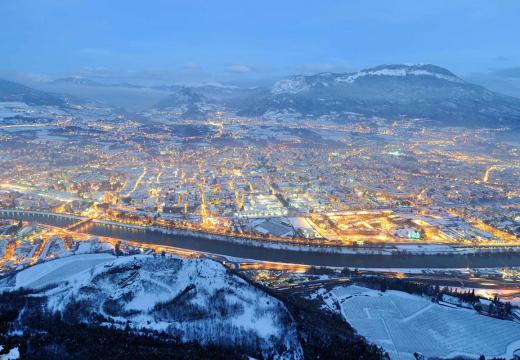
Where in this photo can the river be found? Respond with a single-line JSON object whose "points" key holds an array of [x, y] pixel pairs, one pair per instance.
{"points": [[228, 248]]}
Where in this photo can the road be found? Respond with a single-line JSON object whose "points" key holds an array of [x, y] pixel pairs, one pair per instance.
{"points": [[442, 280]]}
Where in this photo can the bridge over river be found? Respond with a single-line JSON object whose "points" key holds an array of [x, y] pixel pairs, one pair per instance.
{"points": [[242, 250]]}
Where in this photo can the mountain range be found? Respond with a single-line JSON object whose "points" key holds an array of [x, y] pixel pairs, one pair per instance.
{"points": [[388, 91], [12, 91]]}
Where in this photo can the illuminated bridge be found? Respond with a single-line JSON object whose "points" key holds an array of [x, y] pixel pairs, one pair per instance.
{"points": [[5, 213], [79, 224]]}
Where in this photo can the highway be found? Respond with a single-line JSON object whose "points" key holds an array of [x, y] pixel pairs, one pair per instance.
{"points": [[483, 285]]}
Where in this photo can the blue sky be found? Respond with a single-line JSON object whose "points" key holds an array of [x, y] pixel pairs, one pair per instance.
{"points": [[231, 40]]}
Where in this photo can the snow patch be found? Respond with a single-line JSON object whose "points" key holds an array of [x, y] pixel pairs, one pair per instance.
{"points": [[404, 71]]}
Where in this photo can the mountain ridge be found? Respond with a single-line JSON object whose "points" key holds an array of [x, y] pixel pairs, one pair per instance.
{"points": [[392, 91], [13, 91], [427, 70], [414, 91]]}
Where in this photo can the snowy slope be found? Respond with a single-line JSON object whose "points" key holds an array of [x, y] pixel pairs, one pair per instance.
{"points": [[403, 324], [389, 91], [59, 270], [195, 299]]}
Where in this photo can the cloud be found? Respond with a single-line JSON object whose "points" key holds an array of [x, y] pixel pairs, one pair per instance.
{"points": [[501, 58], [33, 77], [110, 75], [191, 66], [325, 67], [238, 69], [502, 80], [24, 77], [96, 52], [511, 72], [93, 70]]}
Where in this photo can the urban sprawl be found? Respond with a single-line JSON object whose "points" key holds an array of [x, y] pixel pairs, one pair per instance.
{"points": [[395, 185]]}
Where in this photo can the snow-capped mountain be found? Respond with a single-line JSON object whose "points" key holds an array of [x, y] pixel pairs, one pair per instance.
{"points": [[403, 70], [299, 83], [192, 299], [392, 91], [388, 91]]}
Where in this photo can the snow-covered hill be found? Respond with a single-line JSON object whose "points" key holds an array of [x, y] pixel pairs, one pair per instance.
{"points": [[193, 299], [388, 91], [404, 324], [299, 83]]}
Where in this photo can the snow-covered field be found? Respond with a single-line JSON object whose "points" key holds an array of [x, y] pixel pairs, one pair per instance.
{"points": [[195, 299], [403, 324]]}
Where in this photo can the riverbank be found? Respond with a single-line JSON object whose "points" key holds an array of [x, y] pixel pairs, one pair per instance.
{"points": [[250, 249]]}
